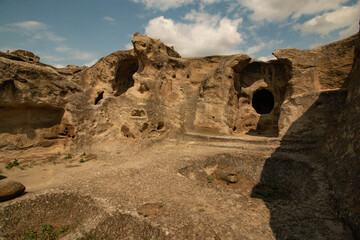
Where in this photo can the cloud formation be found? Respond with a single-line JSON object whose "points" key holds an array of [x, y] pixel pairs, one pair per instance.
{"points": [[163, 5], [199, 33], [74, 53], [202, 34], [33, 29], [345, 17], [30, 25], [109, 19], [92, 62], [59, 66], [279, 10]]}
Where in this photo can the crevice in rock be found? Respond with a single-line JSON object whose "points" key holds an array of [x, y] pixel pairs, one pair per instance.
{"points": [[138, 113], [99, 97]]}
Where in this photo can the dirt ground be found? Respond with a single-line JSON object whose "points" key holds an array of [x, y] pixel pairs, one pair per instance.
{"points": [[169, 190]]}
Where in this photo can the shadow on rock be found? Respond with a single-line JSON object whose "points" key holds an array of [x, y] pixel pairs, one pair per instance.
{"points": [[293, 182]]}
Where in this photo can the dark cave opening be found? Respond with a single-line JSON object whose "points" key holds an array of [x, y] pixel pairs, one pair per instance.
{"points": [[99, 97], [263, 101], [123, 75]]}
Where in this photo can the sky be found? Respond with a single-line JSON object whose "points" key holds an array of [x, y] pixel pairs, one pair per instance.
{"points": [[80, 32]]}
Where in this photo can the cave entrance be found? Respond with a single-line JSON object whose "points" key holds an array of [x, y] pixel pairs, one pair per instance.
{"points": [[123, 75], [263, 101]]}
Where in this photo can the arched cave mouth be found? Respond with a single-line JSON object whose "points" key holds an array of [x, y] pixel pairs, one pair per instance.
{"points": [[263, 101], [123, 75]]}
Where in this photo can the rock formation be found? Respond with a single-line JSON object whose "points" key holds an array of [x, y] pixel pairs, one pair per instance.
{"points": [[151, 90], [151, 93], [10, 189]]}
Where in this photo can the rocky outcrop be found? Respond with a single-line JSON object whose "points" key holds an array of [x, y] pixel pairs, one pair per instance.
{"points": [[22, 55], [320, 71], [32, 105], [150, 90]]}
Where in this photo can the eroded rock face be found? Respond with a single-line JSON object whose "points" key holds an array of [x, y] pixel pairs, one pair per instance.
{"points": [[342, 149], [150, 90], [32, 105], [321, 70]]}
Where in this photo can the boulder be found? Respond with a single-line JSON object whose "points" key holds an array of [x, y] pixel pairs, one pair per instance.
{"points": [[10, 189]]}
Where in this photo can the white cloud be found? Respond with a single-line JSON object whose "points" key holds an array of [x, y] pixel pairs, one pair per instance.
{"points": [[256, 48], [261, 45], [315, 45], [59, 66], [63, 49], [202, 17], [345, 17], [92, 62], [47, 35], [202, 35], [210, 1], [30, 25], [129, 46], [52, 58], [110, 19], [164, 5], [278, 10], [35, 30], [266, 58], [74, 53]]}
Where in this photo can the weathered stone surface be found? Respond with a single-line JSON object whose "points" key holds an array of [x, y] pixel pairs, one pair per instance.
{"points": [[22, 55], [213, 94], [10, 189], [33, 99], [26, 55], [342, 149], [325, 68]]}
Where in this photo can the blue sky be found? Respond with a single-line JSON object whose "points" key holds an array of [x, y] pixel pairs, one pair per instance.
{"points": [[82, 31]]}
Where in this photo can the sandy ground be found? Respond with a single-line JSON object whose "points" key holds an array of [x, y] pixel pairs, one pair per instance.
{"points": [[164, 184]]}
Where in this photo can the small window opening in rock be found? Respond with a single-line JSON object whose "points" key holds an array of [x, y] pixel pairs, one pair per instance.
{"points": [[138, 113], [263, 101], [160, 126], [99, 97], [143, 88]]}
